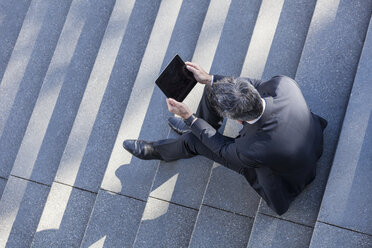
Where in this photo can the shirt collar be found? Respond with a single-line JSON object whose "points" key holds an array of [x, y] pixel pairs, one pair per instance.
{"points": [[263, 110]]}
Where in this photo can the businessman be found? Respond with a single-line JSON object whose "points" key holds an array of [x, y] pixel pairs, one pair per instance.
{"points": [[276, 149]]}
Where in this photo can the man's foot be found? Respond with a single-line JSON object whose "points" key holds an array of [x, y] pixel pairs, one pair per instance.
{"points": [[178, 125], [141, 149]]}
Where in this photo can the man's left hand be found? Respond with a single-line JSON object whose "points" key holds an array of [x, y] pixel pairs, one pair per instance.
{"points": [[178, 108]]}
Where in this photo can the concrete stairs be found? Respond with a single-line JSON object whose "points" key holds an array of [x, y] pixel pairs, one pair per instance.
{"points": [[77, 78]]}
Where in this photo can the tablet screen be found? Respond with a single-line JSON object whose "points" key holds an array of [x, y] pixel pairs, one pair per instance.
{"points": [[176, 81]]}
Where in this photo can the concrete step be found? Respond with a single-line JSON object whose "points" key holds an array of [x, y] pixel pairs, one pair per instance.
{"points": [[64, 217], [165, 224], [82, 163], [329, 236], [114, 103], [126, 174], [346, 209], [26, 70], [2, 185], [218, 228], [64, 84], [12, 14], [273, 232], [114, 221], [325, 74], [21, 206]]}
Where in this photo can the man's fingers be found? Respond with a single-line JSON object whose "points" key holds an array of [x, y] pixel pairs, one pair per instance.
{"points": [[172, 104], [190, 64], [192, 69], [169, 105]]}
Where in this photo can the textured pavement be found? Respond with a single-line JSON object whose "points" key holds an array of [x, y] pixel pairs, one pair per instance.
{"points": [[77, 78]]}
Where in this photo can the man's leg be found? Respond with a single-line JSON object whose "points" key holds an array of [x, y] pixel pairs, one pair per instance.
{"points": [[186, 146]]}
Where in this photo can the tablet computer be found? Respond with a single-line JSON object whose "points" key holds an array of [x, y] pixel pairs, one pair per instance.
{"points": [[175, 80]]}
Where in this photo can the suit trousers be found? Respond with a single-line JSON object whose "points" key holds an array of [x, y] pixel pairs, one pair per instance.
{"points": [[188, 145]]}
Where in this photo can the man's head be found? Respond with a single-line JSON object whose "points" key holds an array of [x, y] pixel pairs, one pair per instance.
{"points": [[235, 98]]}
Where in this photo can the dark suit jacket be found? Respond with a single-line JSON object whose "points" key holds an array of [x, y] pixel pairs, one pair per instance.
{"points": [[278, 153]]}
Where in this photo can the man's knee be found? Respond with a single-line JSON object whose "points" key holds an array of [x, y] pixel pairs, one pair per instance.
{"points": [[189, 141]]}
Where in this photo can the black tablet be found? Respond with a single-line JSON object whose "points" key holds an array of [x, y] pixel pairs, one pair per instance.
{"points": [[175, 80]]}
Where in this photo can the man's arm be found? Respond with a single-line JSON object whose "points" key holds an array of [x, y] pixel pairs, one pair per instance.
{"points": [[216, 142]]}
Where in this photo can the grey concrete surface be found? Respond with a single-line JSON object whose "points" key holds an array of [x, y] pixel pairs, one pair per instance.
{"points": [[12, 14], [164, 224], [64, 218], [289, 38], [114, 221], [115, 99], [62, 90], [182, 181], [325, 74], [326, 236], [230, 191], [273, 232], [347, 198], [235, 37], [21, 206], [82, 165], [126, 174], [2, 186], [218, 228], [25, 72]]}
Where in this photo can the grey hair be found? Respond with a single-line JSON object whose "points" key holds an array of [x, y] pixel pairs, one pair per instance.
{"points": [[235, 98]]}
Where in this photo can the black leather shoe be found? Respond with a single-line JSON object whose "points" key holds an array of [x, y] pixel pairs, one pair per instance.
{"points": [[178, 125], [141, 149]]}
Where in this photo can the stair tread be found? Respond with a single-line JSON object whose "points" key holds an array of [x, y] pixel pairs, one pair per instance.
{"points": [[126, 174], [21, 205], [82, 163], [217, 228], [114, 221], [164, 224], [347, 199], [230, 191], [64, 84], [64, 218], [328, 236], [12, 14], [2, 186], [273, 232], [25, 73]]}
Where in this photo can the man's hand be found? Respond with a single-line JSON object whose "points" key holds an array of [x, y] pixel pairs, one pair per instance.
{"points": [[178, 108], [199, 74]]}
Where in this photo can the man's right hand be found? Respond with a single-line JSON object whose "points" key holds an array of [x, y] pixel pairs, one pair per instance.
{"points": [[199, 74]]}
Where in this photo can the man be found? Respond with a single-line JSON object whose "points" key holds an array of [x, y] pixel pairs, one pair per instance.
{"points": [[277, 148]]}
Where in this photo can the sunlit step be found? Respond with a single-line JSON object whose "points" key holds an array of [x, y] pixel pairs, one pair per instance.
{"points": [[73, 161], [26, 71], [64, 84], [12, 14], [121, 174]]}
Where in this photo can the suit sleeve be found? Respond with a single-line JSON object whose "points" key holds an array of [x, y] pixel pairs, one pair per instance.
{"points": [[255, 82], [216, 142]]}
